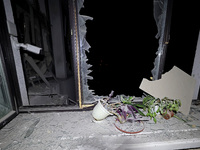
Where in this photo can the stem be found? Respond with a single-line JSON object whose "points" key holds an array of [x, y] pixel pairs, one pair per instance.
{"points": [[179, 118], [115, 103]]}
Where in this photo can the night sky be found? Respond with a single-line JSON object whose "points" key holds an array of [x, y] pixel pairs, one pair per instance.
{"points": [[123, 43]]}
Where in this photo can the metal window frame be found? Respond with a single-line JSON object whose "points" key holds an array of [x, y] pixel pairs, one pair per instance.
{"points": [[73, 14], [9, 67]]}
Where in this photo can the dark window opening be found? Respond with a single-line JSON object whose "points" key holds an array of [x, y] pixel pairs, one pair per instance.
{"points": [[183, 36], [122, 43]]}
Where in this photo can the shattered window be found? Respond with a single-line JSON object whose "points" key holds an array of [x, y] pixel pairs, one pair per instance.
{"points": [[117, 46], [162, 16], [158, 15]]}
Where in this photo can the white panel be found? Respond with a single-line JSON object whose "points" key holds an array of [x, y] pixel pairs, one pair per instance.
{"points": [[196, 69]]}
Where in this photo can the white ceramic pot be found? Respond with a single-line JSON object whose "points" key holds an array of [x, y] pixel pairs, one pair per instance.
{"points": [[99, 112], [155, 109]]}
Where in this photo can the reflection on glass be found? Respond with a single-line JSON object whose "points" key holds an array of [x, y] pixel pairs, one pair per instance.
{"points": [[5, 102]]}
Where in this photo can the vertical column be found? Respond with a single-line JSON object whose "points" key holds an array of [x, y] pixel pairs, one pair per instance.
{"points": [[55, 12], [16, 53]]}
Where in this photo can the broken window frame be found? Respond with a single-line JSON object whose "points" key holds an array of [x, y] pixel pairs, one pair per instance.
{"points": [[73, 14], [163, 22], [10, 84], [81, 68]]}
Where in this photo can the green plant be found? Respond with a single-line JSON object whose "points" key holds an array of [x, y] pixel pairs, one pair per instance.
{"points": [[150, 104], [169, 104], [130, 101], [125, 109], [155, 105]]}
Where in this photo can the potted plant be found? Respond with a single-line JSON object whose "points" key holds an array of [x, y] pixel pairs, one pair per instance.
{"points": [[125, 109], [151, 106], [102, 109], [128, 111], [169, 107], [166, 107]]}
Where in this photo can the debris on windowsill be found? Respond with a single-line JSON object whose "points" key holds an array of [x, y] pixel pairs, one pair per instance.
{"points": [[131, 117], [174, 90]]}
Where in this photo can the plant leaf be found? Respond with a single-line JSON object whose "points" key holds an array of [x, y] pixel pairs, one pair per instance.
{"points": [[131, 108], [154, 119], [124, 114], [139, 105], [139, 111], [148, 114]]}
